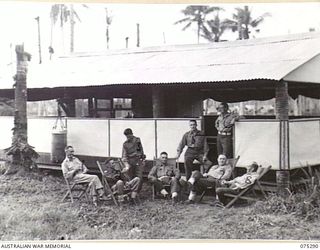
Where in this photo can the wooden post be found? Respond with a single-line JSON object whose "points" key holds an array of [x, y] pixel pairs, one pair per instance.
{"points": [[158, 104], [282, 113]]}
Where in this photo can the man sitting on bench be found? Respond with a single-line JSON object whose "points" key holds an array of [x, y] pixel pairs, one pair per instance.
{"points": [[237, 184]]}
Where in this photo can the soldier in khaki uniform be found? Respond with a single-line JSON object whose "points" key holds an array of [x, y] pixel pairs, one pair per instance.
{"points": [[224, 125], [133, 156], [163, 174], [197, 149]]}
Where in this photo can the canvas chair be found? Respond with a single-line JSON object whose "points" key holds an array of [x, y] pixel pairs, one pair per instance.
{"points": [[249, 193], [233, 162], [104, 177], [76, 190], [170, 161]]}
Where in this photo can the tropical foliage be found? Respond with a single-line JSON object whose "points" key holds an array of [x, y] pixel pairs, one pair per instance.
{"points": [[243, 22]]}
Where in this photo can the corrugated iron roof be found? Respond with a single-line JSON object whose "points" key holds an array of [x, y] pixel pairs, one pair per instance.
{"points": [[265, 58]]}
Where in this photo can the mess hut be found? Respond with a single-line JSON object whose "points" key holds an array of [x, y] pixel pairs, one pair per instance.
{"points": [[162, 87]]}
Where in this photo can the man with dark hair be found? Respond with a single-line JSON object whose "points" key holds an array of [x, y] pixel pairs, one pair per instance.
{"points": [[215, 175], [197, 148], [224, 125], [133, 156], [120, 181], [73, 169], [164, 174], [237, 184]]}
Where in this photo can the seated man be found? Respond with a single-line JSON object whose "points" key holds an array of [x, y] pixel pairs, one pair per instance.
{"points": [[237, 184], [74, 170], [120, 181], [216, 173], [162, 173]]}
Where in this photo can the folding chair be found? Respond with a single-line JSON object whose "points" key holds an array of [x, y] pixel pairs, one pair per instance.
{"points": [[75, 190], [233, 162], [104, 175], [170, 161], [246, 194]]}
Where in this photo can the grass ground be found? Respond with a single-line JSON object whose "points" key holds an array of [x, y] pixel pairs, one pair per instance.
{"points": [[31, 209]]}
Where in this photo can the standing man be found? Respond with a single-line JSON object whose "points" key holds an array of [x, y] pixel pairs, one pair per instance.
{"points": [[73, 169], [198, 148], [133, 156], [224, 124], [164, 174]]}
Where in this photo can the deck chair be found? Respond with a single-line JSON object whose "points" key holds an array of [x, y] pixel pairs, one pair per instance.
{"points": [[105, 174], [170, 161], [249, 193], [233, 162], [76, 190]]}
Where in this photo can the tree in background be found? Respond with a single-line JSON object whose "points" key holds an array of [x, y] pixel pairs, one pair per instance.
{"points": [[65, 14], [214, 28], [108, 23], [196, 14], [242, 22]]}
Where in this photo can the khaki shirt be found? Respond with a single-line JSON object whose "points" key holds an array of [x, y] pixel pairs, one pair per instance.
{"points": [[161, 169], [195, 140], [68, 166], [132, 149], [220, 172], [225, 122]]}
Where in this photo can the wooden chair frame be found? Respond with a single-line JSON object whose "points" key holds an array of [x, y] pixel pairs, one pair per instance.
{"points": [[106, 184], [81, 188], [244, 194]]}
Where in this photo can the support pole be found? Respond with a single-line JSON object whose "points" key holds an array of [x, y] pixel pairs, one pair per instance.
{"points": [[158, 103]]}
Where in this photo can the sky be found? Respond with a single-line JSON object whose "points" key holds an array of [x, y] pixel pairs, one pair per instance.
{"points": [[18, 25]]}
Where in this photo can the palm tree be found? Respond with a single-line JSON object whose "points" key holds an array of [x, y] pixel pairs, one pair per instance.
{"points": [[214, 28], [196, 14], [243, 21], [64, 14], [108, 23]]}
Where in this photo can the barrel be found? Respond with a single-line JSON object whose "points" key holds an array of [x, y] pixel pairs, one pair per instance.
{"points": [[59, 142]]}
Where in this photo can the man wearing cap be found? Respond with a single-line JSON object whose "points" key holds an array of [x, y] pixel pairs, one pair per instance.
{"points": [[133, 156], [197, 148], [224, 125], [237, 184], [215, 175]]}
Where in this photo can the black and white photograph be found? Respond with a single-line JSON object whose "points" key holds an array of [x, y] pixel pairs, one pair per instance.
{"points": [[171, 121]]}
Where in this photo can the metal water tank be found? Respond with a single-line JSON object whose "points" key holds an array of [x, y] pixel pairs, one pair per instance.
{"points": [[59, 141]]}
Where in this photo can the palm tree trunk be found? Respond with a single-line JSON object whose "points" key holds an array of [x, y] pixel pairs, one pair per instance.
{"points": [[198, 33], [39, 39], [20, 133], [72, 23], [107, 36]]}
